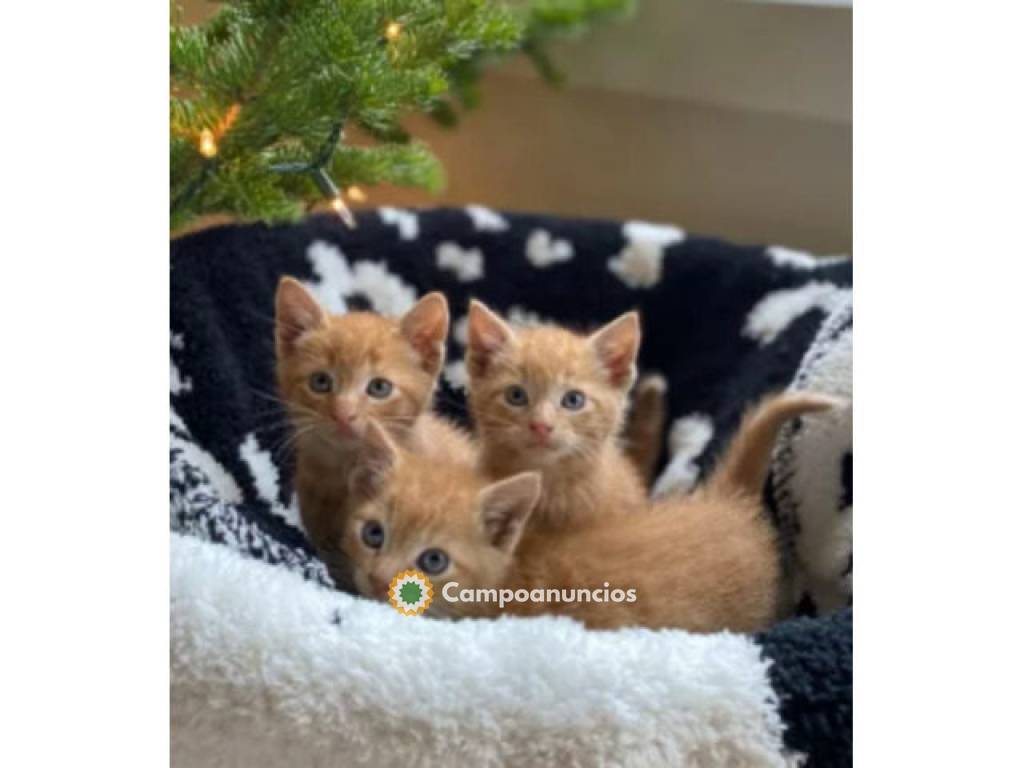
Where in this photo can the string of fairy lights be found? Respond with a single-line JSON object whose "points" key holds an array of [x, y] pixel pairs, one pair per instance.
{"points": [[207, 144]]}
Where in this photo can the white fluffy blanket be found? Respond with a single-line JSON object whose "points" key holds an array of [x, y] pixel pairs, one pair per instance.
{"points": [[270, 670]]}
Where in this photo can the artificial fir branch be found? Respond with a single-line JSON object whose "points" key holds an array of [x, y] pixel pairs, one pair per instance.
{"points": [[261, 93]]}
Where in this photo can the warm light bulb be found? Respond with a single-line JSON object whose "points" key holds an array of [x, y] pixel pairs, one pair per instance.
{"points": [[229, 119], [343, 212], [207, 144], [392, 31], [356, 194]]}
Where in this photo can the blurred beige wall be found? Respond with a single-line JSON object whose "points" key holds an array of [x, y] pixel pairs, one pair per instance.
{"points": [[728, 117]]}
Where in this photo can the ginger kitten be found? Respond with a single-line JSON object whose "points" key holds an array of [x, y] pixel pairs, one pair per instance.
{"points": [[411, 512], [334, 374], [548, 400], [704, 562]]}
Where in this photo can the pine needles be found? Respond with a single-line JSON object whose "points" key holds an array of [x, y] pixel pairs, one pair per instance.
{"points": [[261, 95]]}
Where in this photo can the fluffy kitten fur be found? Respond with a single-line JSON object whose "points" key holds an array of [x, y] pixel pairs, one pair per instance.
{"points": [[645, 424], [703, 562], [344, 355], [575, 450]]}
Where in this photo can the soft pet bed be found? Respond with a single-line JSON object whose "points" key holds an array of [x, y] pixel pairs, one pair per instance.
{"points": [[269, 666]]}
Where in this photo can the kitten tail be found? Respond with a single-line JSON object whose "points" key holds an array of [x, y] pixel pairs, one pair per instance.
{"points": [[744, 465], [646, 425]]}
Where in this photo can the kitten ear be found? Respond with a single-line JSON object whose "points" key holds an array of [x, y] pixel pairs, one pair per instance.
{"points": [[425, 327], [488, 334], [378, 458], [505, 507], [616, 345], [296, 312]]}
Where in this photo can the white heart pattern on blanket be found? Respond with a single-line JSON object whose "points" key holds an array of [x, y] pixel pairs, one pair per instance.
{"points": [[407, 222], [543, 250], [638, 265], [466, 263], [337, 281], [486, 220], [777, 310], [687, 440]]}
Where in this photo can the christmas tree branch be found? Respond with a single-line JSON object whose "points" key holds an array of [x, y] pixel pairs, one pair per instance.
{"points": [[261, 93]]}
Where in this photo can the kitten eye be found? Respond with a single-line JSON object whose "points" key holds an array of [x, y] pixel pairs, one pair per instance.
{"points": [[321, 382], [432, 561], [573, 400], [516, 395], [373, 534], [379, 388]]}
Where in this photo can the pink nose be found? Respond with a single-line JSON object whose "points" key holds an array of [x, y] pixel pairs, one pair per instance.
{"points": [[343, 413], [540, 429]]}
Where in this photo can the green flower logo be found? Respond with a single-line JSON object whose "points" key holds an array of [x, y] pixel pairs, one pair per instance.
{"points": [[410, 593]]}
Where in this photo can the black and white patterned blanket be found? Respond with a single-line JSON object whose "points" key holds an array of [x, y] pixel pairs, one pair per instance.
{"points": [[724, 323]]}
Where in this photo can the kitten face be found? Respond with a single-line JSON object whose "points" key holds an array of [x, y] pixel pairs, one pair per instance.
{"points": [[545, 392], [412, 513], [336, 372]]}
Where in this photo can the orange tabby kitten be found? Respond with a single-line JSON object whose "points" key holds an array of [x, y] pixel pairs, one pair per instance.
{"points": [[548, 400], [334, 373], [703, 562]]}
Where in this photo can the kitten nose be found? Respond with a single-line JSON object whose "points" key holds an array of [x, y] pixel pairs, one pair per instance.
{"points": [[540, 428], [344, 412]]}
